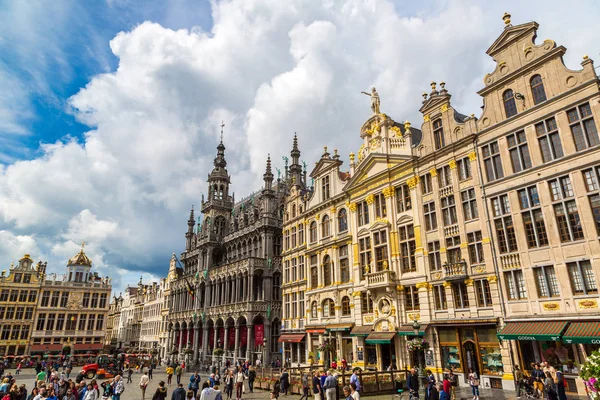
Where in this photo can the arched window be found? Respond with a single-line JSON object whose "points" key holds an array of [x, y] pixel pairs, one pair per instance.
{"points": [[301, 234], [510, 106], [327, 270], [313, 310], [438, 134], [313, 232], [328, 308], [275, 332], [342, 220], [325, 229], [293, 211], [537, 89], [346, 305]]}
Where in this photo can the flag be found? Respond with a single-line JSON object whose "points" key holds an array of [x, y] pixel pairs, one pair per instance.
{"points": [[190, 289]]}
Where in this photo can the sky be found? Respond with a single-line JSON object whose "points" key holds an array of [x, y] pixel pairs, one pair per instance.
{"points": [[110, 109]]}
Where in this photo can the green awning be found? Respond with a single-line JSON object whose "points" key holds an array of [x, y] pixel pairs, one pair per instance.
{"points": [[538, 330], [407, 330], [583, 332], [380, 337], [362, 330]]}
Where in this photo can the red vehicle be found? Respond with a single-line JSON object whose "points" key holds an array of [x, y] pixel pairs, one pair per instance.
{"points": [[105, 366]]}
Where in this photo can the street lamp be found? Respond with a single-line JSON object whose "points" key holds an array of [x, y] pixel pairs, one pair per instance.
{"points": [[264, 360], [417, 329], [218, 357]]}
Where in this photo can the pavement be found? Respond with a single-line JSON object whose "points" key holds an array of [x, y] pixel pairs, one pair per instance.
{"points": [[133, 391]]}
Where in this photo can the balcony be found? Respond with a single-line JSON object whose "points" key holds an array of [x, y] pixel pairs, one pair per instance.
{"points": [[510, 260], [446, 191], [379, 279], [451, 230], [455, 271]]}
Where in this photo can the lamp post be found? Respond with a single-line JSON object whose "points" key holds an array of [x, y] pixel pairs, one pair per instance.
{"points": [[219, 356], [417, 328], [264, 360]]}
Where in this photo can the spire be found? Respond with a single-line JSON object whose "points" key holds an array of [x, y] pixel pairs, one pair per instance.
{"points": [[192, 220], [268, 176], [295, 169]]}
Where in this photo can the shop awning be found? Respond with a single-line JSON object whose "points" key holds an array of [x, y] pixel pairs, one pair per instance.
{"points": [[339, 327], [538, 330], [407, 330], [291, 338], [363, 330], [315, 330], [583, 332], [380, 337]]}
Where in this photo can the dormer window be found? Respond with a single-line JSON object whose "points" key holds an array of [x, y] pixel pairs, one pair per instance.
{"points": [[438, 134], [325, 187], [537, 89], [510, 106]]}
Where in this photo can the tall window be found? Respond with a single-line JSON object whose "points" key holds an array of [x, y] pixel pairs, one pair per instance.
{"points": [[583, 127], [519, 152], [86, 300], [403, 201], [433, 253], [325, 227], [582, 277], [364, 247], [41, 321], [53, 299], [549, 139], [294, 238], [503, 224], [293, 211], [453, 253], [510, 106], [380, 206], [411, 299], [492, 161], [313, 232], [444, 176], [286, 240], [439, 297], [327, 271], [593, 188], [313, 310], [565, 210], [449, 210], [426, 184], [461, 296], [276, 286], [430, 216], [533, 218], [345, 306], [546, 281], [103, 299], [363, 213], [344, 264], [82, 321], [381, 250], [314, 272], [294, 305], [537, 89], [342, 220], [366, 303], [475, 248], [301, 234], [438, 134], [286, 271], [51, 319], [294, 269], [100, 322], [325, 187], [469, 204], [515, 283], [483, 292], [407, 248], [464, 168]]}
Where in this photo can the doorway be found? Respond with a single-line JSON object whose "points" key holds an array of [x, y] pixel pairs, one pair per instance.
{"points": [[470, 354]]}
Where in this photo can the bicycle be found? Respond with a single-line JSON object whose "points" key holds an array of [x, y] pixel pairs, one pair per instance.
{"points": [[404, 395]]}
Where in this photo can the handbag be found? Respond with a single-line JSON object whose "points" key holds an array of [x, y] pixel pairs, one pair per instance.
{"points": [[475, 382], [243, 388]]}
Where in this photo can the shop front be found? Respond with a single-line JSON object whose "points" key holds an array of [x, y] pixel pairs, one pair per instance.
{"points": [[381, 349], [314, 341], [362, 351], [475, 347], [294, 347], [343, 341], [562, 344], [417, 355]]}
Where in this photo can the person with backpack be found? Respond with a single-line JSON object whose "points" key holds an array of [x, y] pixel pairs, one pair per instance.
{"points": [[161, 391]]}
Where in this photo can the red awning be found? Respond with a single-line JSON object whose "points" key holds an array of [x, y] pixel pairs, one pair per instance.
{"points": [[291, 338], [315, 330], [44, 347], [88, 346]]}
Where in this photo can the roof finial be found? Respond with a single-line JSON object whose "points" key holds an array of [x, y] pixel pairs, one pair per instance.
{"points": [[82, 245], [222, 126], [506, 19]]}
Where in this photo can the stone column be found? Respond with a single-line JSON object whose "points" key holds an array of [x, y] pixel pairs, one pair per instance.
{"points": [[196, 340], [251, 287], [225, 340], [180, 331], [250, 344], [204, 342], [236, 351], [169, 340], [267, 350]]}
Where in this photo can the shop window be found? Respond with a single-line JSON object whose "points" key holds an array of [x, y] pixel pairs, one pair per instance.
{"points": [[451, 358]]}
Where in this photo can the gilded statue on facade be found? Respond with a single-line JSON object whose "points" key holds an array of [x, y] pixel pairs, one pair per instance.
{"points": [[374, 100]]}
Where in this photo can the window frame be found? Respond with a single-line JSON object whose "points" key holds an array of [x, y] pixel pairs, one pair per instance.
{"points": [[492, 161], [440, 301], [469, 204], [588, 282], [536, 233], [411, 298], [403, 199], [434, 255], [538, 92], [448, 207], [407, 245], [549, 140], [463, 166], [509, 102], [483, 293], [461, 294], [438, 134], [563, 198], [518, 150], [550, 285], [507, 242], [581, 123], [342, 216], [325, 189], [430, 216], [475, 248]]}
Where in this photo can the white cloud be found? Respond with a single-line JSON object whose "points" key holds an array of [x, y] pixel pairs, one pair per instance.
{"points": [[267, 68]]}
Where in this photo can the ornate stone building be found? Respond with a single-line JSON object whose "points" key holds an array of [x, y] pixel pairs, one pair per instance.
{"points": [[226, 292], [72, 309], [424, 227], [154, 303]]}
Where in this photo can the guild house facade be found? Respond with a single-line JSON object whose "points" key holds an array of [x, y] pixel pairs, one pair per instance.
{"points": [[478, 234], [225, 293]]}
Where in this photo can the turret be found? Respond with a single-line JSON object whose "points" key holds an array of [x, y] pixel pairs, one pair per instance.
{"points": [[190, 232], [268, 175], [295, 169]]}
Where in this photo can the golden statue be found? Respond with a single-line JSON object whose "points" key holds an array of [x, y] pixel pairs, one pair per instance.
{"points": [[374, 100]]}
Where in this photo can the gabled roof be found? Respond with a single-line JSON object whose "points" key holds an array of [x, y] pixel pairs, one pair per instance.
{"points": [[510, 35], [323, 164]]}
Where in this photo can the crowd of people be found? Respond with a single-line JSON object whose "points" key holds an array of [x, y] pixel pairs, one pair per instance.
{"points": [[543, 381]]}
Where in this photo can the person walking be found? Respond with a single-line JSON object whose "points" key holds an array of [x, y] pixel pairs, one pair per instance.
{"points": [[519, 376], [474, 382], [161, 391], [430, 384], [194, 383], [239, 384], [330, 386], [305, 386], [144, 381], [560, 385], [551, 390], [129, 375], [178, 372], [251, 379], [118, 388], [316, 386], [443, 393], [179, 393], [169, 372], [150, 371], [354, 379], [284, 380], [229, 384], [413, 383]]}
